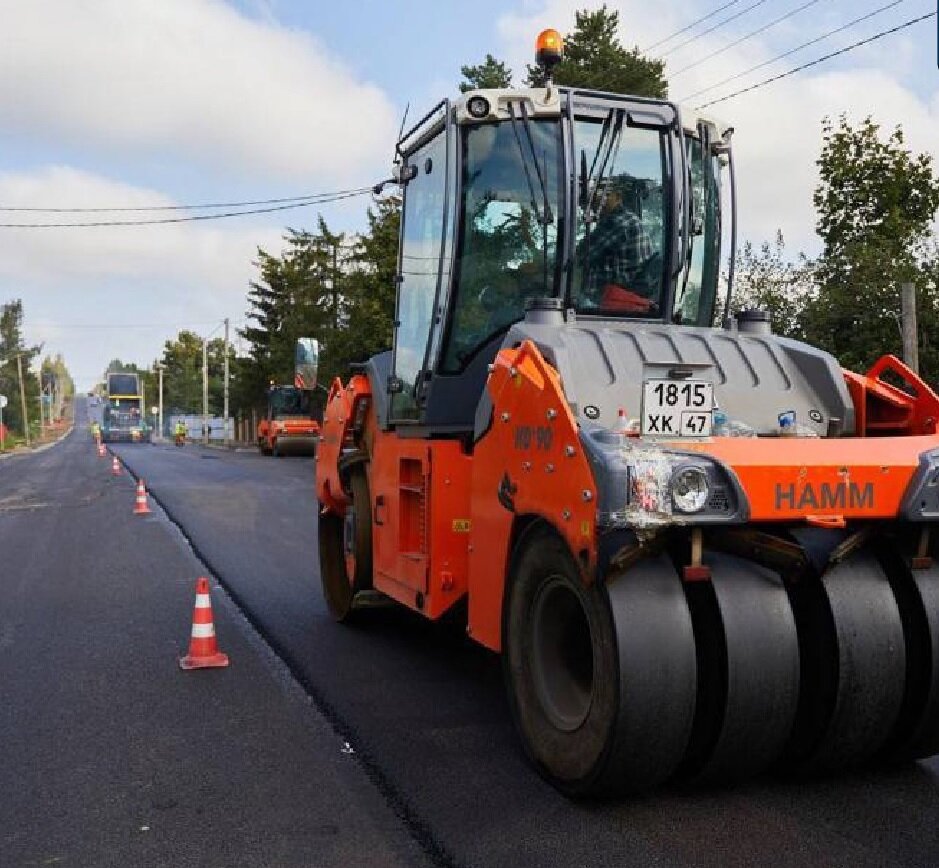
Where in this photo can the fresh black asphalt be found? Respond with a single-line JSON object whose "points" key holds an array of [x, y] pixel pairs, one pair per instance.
{"points": [[424, 709], [109, 754]]}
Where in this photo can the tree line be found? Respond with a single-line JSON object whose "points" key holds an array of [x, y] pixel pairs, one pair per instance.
{"points": [[15, 354]]}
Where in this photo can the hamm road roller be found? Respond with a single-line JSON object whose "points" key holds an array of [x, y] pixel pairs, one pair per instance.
{"points": [[701, 551]]}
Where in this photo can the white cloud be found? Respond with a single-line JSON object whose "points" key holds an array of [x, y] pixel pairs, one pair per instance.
{"points": [[778, 128], [76, 282], [193, 80]]}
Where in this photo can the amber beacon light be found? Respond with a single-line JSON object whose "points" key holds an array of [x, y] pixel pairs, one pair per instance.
{"points": [[549, 49]]}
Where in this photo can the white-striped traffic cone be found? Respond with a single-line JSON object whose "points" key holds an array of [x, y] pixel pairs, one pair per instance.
{"points": [[115, 467], [203, 649], [141, 507]]}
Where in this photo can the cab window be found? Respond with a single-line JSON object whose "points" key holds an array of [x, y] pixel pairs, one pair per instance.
{"points": [[507, 249], [622, 216], [421, 241]]}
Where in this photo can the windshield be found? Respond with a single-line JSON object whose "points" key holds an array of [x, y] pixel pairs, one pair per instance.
{"points": [[506, 248], [619, 266], [287, 401], [123, 384]]}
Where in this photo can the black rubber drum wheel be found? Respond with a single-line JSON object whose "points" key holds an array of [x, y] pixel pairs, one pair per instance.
{"points": [[748, 670], [600, 678], [346, 550], [917, 732], [853, 665]]}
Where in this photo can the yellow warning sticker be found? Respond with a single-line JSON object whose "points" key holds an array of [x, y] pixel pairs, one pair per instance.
{"points": [[585, 528], [461, 525]]}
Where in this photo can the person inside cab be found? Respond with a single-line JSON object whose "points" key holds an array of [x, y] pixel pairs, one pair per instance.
{"points": [[617, 255]]}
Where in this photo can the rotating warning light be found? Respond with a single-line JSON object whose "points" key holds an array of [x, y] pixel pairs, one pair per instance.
{"points": [[549, 48]]}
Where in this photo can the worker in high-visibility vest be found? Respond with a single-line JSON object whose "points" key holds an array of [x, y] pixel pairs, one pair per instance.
{"points": [[180, 433], [96, 431]]}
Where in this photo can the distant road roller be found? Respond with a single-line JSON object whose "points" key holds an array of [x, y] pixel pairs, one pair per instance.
{"points": [[701, 551]]}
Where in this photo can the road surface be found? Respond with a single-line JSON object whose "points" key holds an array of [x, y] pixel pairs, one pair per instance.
{"points": [[109, 754]]}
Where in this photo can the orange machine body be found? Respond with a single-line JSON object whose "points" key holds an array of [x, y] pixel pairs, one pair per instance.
{"points": [[446, 514], [270, 431], [287, 432]]}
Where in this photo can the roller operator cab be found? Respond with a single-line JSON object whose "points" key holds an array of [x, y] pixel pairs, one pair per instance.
{"points": [[701, 551], [123, 418]]}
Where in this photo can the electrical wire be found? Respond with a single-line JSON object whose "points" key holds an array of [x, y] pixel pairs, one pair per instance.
{"points": [[744, 38], [815, 62], [153, 325], [189, 207], [190, 219], [791, 51], [717, 26], [688, 27]]}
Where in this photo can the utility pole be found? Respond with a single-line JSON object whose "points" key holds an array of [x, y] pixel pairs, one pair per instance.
{"points": [[335, 286], [225, 393], [908, 325], [19, 368], [160, 367], [205, 390]]}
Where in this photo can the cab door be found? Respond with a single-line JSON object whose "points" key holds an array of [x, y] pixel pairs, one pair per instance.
{"points": [[423, 230]]}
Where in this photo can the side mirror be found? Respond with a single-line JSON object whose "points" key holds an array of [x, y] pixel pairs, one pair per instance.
{"points": [[306, 362]]}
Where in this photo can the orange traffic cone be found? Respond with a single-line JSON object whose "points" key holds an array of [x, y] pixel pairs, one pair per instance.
{"points": [[115, 467], [141, 507], [203, 649], [102, 452]]}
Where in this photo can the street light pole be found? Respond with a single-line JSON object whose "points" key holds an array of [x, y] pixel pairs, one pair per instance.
{"points": [[160, 367], [225, 401], [19, 368], [205, 390], [908, 330]]}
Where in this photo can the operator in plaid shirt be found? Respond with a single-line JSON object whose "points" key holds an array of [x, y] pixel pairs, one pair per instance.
{"points": [[619, 247]]}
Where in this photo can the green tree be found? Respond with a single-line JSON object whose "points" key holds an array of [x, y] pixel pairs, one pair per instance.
{"points": [[370, 292], [596, 59], [876, 203], [765, 279], [491, 73], [182, 376], [340, 291], [12, 345]]}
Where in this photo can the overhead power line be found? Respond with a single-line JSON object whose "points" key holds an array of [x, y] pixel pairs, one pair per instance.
{"points": [[819, 60], [742, 39], [152, 325], [189, 219], [189, 207], [688, 27], [717, 26], [791, 51]]}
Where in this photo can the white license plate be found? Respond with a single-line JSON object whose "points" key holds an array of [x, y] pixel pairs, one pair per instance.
{"points": [[677, 408]]}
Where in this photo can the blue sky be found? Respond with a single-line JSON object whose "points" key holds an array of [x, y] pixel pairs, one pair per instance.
{"points": [[127, 102]]}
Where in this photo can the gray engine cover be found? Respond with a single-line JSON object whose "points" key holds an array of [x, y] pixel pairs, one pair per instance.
{"points": [[603, 364]]}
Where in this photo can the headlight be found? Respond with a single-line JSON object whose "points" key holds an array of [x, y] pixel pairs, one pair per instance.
{"points": [[690, 489], [478, 106]]}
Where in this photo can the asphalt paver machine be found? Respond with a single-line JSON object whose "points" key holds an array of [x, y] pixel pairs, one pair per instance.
{"points": [[701, 551]]}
